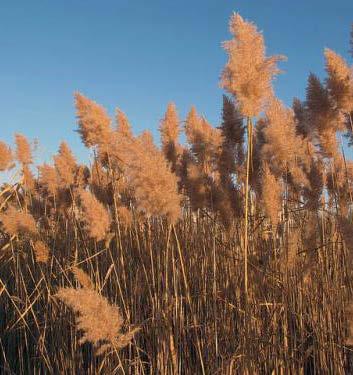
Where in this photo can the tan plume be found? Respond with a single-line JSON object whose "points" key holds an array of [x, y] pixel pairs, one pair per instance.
{"points": [[48, 178], [169, 129], [23, 149], [93, 122], [100, 322], [17, 222], [6, 157], [123, 124], [83, 278], [339, 81], [96, 217], [271, 195], [41, 251], [248, 73], [65, 164]]}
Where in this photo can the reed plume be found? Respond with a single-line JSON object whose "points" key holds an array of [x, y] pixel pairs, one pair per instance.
{"points": [[100, 183], [93, 122], [66, 166], [100, 321], [196, 186], [125, 216], [313, 192], [28, 179], [248, 73], [282, 144], [41, 251], [339, 81], [169, 129], [95, 216], [48, 179], [155, 193], [123, 124], [205, 140], [82, 176], [6, 157], [232, 149], [83, 278], [18, 223], [301, 119], [323, 116], [148, 174], [23, 149]]}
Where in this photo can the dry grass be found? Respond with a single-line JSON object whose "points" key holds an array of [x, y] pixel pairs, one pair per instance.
{"points": [[229, 255]]}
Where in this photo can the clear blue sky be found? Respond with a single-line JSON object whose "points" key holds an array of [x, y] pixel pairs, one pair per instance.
{"points": [[139, 55]]}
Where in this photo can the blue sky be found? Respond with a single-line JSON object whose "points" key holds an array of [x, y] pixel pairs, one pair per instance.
{"points": [[139, 55]]}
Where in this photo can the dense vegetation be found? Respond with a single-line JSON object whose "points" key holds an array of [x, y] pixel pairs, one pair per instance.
{"points": [[232, 253]]}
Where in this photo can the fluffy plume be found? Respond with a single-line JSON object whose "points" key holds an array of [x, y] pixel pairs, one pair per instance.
{"points": [[314, 191], [300, 115], [18, 223], [41, 251], [100, 321], [271, 195], [196, 186], [100, 183], [23, 149], [48, 178], [83, 278], [230, 161], [317, 98], [28, 180], [123, 125], [282, 146], [339, 181], [125, 216], [169, 129], [95, 217], [6, 158], [65, 164], [232, 130], [93, 122], [248, 73], [205, 140], [339, 81], [322, 115], [82, 176], [148, 174]]}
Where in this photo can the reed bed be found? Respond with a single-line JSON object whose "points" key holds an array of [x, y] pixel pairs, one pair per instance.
{"points": [[231, 254]]}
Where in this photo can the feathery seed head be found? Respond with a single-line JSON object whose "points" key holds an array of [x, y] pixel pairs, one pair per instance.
{"points": [[123, 125], [96, 217], [99, 320], [83, 278], [41, 251], [18, 223], [339, 81], [248, 73], [93, 122], [6, 157], [48, 178], [65, 164], [23, 149]]}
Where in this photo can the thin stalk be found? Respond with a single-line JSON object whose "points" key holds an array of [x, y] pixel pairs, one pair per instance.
{"points": [[246, 213]]}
